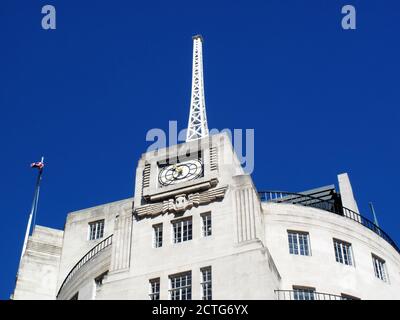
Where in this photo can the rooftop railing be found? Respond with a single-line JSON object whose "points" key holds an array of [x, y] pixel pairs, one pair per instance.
{"points": [[86, 258], [326, 205], [307, 295]]}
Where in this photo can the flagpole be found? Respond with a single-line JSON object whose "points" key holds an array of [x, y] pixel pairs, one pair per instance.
{"points": [[32, 214], [37, 195]]}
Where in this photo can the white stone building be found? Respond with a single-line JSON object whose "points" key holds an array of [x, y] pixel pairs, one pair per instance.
{"points": [[197, 228]]}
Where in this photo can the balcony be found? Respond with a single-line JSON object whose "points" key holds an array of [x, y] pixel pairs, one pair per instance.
{"points": [[326, 202]]}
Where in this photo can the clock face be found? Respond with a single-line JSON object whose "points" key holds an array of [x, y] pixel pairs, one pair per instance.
{"points": [[180, 172]]}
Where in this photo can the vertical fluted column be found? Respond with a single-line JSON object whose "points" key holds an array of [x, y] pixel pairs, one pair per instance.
{"points": [[120, 258], [247, 211]]}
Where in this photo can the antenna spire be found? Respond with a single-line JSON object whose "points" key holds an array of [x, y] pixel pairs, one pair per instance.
{"points": [[197, 126]]}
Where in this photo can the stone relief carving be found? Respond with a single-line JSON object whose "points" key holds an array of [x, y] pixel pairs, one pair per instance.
{"points": [[181, 202]]}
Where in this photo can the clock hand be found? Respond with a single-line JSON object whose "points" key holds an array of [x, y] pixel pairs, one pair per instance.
{"points": [[178, 169]]}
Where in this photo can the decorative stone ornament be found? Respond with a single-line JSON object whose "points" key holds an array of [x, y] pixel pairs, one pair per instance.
{"points": [[182, 202]]}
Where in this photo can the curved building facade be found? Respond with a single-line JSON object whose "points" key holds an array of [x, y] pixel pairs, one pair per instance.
{"points": [[343, 256], [214, 236]]}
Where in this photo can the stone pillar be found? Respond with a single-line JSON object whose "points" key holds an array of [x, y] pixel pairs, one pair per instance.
{"points": [[247, 210], [347, 196], [121, 247]]}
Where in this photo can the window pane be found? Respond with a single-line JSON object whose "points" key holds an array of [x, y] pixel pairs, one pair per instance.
{"points": [[96, 230], [154, 289], [182, 230], [343, 253], [298, 243], [379, 268], [206, 228], [181, 287], [206, 284], [303, 294], [157, 236]]}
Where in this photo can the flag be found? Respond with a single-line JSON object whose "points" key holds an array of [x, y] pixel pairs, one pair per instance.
{"points": [[39, 165]]}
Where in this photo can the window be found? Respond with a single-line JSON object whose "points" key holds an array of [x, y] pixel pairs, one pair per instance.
{"points": [[303, 293], [154, 289], [75, 296], [206, 284], [343, 252], [182, 230], [299, 243], [349, 297], [379, 268], [157, 235], [206, 226], [181, 286], [96, 230], [99, 279]]}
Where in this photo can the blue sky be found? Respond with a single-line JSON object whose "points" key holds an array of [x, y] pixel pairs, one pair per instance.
{"points": [[321, 100]]}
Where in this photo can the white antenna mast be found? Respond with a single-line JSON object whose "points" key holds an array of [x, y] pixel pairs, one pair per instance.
{"points": [[197, 126]]}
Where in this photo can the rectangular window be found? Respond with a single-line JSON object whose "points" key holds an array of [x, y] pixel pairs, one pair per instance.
{"points": [[379, 268], [343, 252], [154, 289], [96, 230], [181, 286], [99, 280], [206, 226], [182, 230], [206, 284], [299, 243], [303, 293], [157, 235]]}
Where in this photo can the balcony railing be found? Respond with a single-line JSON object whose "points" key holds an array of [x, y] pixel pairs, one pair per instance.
{"points": [[326, 205], [86, 258], [307, 295]]}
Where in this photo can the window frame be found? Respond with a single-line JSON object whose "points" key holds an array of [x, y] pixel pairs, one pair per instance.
{"points": [[206, 224], [98, 231], [344, 254], [298, 245], [381, 274], [99, 279], [154, 288], [206, 283], [158, 234], [183, 290], [310, 291], [189, 230]]}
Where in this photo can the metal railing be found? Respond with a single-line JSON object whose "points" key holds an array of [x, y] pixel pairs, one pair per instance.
{"points": [[299, 198], [326, 205], [86, 258], [307, 295]]}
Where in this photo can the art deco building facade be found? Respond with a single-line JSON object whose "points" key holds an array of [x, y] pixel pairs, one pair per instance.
{"points": [[197, 228]]}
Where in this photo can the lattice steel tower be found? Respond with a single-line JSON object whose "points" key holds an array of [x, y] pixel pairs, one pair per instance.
{"points": [[197, 126]]}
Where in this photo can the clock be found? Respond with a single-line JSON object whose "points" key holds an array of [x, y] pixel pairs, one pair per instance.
{"points": [[180, 172]]}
